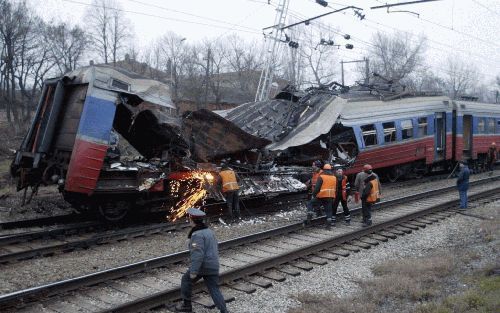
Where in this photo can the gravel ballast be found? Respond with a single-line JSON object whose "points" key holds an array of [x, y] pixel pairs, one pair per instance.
{"points": [[40, 271], [340, 277]]}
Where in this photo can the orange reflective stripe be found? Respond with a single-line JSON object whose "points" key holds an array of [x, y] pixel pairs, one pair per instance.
{"points": [[229, 180], [374, 192], [328, 187]]}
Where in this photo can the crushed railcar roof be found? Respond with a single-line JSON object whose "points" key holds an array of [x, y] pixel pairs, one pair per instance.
{"points": [[120, 80], [287, 123]]}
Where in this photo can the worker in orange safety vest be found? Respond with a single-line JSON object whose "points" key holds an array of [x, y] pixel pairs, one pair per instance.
{"points": [[343, 189], [231, 190], [370, 195], [311, 183], [323, 194]]}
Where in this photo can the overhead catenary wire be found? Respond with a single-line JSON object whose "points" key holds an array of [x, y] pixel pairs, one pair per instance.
{"points": [[485, 7], [256, 31]]}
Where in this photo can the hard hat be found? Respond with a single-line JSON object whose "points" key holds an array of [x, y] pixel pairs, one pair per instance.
{"points": [[327, 167], [195, 213], [337, 166], [493, 144], [367, 167]]}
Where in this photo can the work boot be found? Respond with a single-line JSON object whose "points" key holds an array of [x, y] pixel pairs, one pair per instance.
{"points": [[308, 219], [329, 223], [185, 306], [347, 220], [367, 223]]}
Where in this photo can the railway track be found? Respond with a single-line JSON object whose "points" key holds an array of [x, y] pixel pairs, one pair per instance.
{"points": [[26, 245], [246, 261]]}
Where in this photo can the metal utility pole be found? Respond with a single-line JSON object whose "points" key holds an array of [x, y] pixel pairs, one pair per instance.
{"points": [[207, 78], [272, 45], [367, 68]]}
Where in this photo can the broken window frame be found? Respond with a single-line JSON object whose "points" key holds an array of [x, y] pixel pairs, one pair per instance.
{"points": [[389, 132], [407, 129], [423, 125], [491, 126], [481, 125], [368, 134]]}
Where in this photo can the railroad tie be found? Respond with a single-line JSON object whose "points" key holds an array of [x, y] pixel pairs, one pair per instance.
{"points": [[207, 302], [403, 229], [302, 265], [316, 260], [289, 270], [410, 226], [395, 231], [387, 234], [370, 241], [417, 223], [378, 237], [340, 252], [243, 287], [273, 275], [360, 244], [259, 281], [430, 219], [327, 255], [349, 247]]}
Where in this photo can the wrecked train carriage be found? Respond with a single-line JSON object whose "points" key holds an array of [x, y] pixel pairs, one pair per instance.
{"points": [[72, 131], [399, 133]]}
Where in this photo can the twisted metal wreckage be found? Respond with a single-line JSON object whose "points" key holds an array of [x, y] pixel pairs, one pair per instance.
{"points": [[112, 140]]}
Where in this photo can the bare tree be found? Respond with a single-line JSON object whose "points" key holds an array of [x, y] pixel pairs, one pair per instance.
{"points": [[424, 79], [170, 53], [244, 60], [460, 77], [108, 28], [68, 44], [396, 56]]}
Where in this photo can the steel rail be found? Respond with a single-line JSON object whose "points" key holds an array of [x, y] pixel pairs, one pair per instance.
{"points": [[50, 289], [128, 233], [164, 297], [42, 221]]}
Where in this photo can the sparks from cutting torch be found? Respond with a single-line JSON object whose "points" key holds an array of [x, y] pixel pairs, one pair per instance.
{"points": [[191, 190]]}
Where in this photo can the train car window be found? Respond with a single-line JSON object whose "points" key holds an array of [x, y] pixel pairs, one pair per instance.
{"points": [[422, 126], [389, 131], [369, 135], [491, 126], [407, 129], [480, 125]]}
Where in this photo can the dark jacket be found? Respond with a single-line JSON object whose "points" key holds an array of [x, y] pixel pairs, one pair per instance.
{"points": [[319, 182], [204, 252], [368, 187], [463, 179]]}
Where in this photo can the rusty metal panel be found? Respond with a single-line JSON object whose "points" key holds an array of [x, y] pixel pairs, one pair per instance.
{"points": [[211, 136], [70, 117]]}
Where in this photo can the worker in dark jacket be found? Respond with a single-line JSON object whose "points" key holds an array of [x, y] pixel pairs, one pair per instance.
{"points": [[311, 183], [231, 190], [342, 194], [369, 196], [204, 257], [324, 194], [491, 157], [359, 182], [463, 184]]}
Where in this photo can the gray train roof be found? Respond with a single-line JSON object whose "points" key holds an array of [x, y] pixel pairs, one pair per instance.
{"points": [[120, 80], [371, 111]]}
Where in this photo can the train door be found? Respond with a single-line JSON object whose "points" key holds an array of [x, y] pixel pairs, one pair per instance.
{"points": [[467, 136], [440, 136]]}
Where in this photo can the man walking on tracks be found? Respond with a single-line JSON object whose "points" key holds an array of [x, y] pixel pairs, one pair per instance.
{"points": [[342, 192], [463, 184], [370, 195], [491, 157], [231, 190], [359, 182], [204, 263], [324, 194]]}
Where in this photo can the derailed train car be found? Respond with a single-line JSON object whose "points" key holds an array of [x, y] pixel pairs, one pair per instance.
{"points": [[72, 139], [399, 133]]}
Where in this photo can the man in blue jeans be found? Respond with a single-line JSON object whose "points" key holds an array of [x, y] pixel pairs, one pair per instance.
{"points": [[204, 256], [463, 184]]}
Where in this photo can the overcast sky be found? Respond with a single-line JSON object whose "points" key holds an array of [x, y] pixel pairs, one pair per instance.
{"points": [[467, 28]]}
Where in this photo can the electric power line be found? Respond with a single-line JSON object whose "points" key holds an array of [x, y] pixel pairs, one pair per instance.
{"points": [[485, 7], [169, 18]]}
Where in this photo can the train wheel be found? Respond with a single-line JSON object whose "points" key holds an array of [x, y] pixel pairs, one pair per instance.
{"points": [[393, 174], [114, 211]]}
